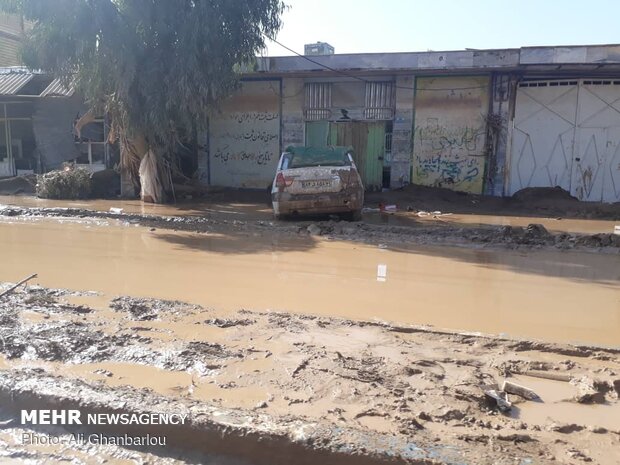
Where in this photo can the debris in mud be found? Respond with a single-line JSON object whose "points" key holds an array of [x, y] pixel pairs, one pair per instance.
{"points": [[517, 389], [591, 391], [137, 308], [15, 286], [577, 454], [141, 309], [537, 231], [229, 322], [70, 183], [400, 383], [548, 375], [515, 438], [500, 398], [63, 341], [212, 350], [314, 230]]}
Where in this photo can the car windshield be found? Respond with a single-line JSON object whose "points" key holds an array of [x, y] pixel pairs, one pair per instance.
{"points": [[303, 157]]}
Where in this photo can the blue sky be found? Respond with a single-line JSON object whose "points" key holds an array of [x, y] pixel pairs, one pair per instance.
{"points": [[358, 26]]}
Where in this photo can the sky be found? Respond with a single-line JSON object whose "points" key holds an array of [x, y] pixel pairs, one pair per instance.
{"points": [[364, 26]]}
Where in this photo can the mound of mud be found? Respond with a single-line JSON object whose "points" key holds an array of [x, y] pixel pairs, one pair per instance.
{"points": [[545, 194], [105, 184], [18, 185]]}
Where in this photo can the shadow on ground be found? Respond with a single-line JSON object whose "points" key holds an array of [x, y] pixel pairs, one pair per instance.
{"points": [[583, 266]]}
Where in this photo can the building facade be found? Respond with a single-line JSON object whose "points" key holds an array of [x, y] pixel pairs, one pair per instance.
{"points": [[478, 121], [37, 126]]}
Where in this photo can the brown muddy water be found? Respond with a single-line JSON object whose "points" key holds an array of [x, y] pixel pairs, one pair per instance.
{"points": [[547, 295], [262, 211]]}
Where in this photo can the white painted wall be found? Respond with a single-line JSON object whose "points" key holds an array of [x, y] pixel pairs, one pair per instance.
{"points": [[244, 137], [567, 134]]}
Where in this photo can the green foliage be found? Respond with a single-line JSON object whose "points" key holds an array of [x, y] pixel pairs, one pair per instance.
{"points": [[70, 183], [158, 67]]}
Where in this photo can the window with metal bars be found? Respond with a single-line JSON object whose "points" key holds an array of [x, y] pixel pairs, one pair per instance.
{"points": [[379, 103], [318, 101]]}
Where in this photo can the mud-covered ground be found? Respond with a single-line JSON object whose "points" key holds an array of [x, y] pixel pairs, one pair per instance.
{"points": [[535, 201], [430, 228], [401, 393]]}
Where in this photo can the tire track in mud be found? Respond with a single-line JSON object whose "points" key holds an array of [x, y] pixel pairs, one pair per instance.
{"points": [[335, 390]]}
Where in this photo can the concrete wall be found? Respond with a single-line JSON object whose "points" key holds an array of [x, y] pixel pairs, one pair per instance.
{"points": [[244, 138], [52, 124], [450, 132], [292, 112], [503, 89], [402, 132]]}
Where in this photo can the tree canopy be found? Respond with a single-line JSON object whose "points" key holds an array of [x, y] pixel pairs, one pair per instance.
{"points": [[157, 67]]}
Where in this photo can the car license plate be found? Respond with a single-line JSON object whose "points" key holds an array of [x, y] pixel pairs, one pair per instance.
{"points": [[316, 183]]}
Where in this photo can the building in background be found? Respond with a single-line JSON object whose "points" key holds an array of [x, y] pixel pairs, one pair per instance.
{"points": [[37, 116], [319, 48], [11, 31], [37, 133], [479, 121]]}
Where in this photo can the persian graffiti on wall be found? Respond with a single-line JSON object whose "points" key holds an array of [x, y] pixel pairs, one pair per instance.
{"points": [[244, 138], [450, 132]]}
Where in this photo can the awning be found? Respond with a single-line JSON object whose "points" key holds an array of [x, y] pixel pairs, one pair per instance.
{"points": [[57, 89], [11, 83]]}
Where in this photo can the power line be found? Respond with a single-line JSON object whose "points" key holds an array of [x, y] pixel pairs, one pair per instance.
{"points": [[337, 71]]}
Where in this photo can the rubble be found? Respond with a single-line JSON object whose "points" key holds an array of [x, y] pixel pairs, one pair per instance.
{"points": [[517, 389]]}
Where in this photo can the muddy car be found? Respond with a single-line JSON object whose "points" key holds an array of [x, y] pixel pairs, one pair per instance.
{"points": [[315, 181]]}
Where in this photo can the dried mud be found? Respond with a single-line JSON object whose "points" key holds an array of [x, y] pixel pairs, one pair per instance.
{"points": [[284, 388]]}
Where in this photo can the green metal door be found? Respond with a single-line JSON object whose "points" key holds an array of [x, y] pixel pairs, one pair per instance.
{"points": [[368, 142], [375, 150], [316, 133]]}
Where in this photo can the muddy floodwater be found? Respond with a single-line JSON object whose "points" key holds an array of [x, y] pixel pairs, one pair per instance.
{"points": [[262, 211], [547, 295]]}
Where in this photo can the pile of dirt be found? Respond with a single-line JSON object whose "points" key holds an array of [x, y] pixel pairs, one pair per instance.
{"points": [[532, 236], [18, 185], [545, 194], [105, 184], [535, 201]]}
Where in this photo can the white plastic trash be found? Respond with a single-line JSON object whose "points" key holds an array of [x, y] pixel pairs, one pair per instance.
{"points": [[381, 272], [116, 210]]}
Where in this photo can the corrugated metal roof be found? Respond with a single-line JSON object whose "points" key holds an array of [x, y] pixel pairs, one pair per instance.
{"points": [[10, 83], [56, 88]]}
